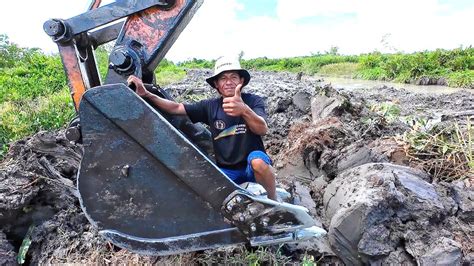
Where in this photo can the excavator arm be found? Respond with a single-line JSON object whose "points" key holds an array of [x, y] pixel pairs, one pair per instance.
{"points": [[142, 40], [143, 181]]}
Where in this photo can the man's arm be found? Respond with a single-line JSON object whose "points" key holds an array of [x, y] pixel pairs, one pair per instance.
{"points": [[168, 106], [235, 106]]}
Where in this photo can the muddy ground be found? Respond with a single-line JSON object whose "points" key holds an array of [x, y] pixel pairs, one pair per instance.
{"points": [[323, 142]]}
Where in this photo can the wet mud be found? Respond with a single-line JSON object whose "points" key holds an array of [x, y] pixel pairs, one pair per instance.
{"points": [[338, 155]]}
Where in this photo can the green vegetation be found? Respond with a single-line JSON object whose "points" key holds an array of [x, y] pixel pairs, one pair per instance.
{"points": [[346, 69], [197, 63], [25, 245], [388, 110], [455, 66], [34, 94], [244, 256], [447, 153], [167, 72]]}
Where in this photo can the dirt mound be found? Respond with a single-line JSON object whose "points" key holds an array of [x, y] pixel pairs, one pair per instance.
{"points": [[321, 140]]}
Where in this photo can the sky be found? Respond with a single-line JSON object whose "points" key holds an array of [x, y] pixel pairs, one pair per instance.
{"points": [[280, 28]]}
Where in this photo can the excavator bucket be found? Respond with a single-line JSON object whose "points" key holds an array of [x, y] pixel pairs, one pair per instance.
{"points": [[150, 190], [141, 182], [133, 178]]}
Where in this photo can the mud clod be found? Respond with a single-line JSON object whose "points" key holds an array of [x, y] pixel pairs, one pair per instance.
{"points": [[340, 150]]}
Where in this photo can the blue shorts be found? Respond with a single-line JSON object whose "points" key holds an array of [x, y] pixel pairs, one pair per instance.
{"points": [[243, 175]]}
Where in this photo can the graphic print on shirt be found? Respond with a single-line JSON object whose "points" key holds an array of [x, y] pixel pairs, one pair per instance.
{"points": [[231, 131], [219, 124]]}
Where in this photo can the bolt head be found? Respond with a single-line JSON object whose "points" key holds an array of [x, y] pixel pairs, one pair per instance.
{"points": [[253, 227], [119, 58], [53, 27]]}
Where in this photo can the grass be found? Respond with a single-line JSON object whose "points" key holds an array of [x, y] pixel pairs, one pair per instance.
{"points": [[444, 152], [346, 69], [34, 94], [167, 72], [34, 75], [455, 66], [388, 110], [24, 117], [244, 256], [463, 78]]}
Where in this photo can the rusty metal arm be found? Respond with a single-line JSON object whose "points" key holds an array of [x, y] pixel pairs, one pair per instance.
{"points": [[143, 39], [64, 30], [106, 34]]}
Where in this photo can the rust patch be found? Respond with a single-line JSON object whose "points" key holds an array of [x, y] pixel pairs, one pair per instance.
{"points": [[95, 4], [73, 73], [149, 26]]}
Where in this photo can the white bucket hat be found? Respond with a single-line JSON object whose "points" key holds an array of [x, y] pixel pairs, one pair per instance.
{"points": [[229, 63]]}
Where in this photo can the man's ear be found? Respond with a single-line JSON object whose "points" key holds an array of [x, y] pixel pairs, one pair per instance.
{"points": [[215, 84]]}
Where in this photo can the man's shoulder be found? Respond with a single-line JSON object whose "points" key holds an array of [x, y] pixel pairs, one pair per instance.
{"points": [[250, 97], [206, 101], [207, 104], [212, 100]]}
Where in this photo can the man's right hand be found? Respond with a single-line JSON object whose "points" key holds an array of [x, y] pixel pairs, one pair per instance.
{"points": [[139, 87], [168, 106]]}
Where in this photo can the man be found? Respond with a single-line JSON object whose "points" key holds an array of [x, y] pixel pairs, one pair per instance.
{"points": [[236, 121]]}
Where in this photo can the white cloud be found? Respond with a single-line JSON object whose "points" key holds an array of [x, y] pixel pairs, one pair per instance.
{"points": [[211, 33], [23, 21], [301, 27], [354, 26], [288, 10]]}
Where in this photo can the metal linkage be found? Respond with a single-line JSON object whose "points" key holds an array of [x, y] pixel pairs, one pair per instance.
{"points": [[142, 39], [257, 216], [64, 30], [295, 236]]}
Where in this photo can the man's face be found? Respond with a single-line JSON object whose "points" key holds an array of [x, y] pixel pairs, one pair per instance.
{"points": [[227, 81]]}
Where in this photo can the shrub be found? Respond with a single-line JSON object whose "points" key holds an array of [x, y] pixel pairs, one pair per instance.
{"points": [[23, 118], [463, 79], [197, 63], [346, 69], [33, 76], [167, 72]]}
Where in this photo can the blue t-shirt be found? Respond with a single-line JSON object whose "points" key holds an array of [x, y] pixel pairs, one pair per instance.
{"points": [[232, 139]]}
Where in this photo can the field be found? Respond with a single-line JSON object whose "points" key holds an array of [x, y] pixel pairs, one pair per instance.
{"points": [[34, 95], [386, 143], [370, 141]]}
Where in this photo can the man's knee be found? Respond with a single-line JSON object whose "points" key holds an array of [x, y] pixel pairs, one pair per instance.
{"points": [[259, 165]]}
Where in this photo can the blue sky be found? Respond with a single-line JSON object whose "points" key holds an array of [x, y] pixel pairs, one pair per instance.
{"points": [[280, 28], [252, 8]]}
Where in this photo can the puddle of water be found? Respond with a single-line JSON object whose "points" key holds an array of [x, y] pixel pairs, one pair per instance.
{"points": [[355, 84]]}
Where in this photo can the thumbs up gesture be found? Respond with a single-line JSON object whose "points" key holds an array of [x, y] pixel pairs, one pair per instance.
{"points": [[238, 90], [234, 106]]}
